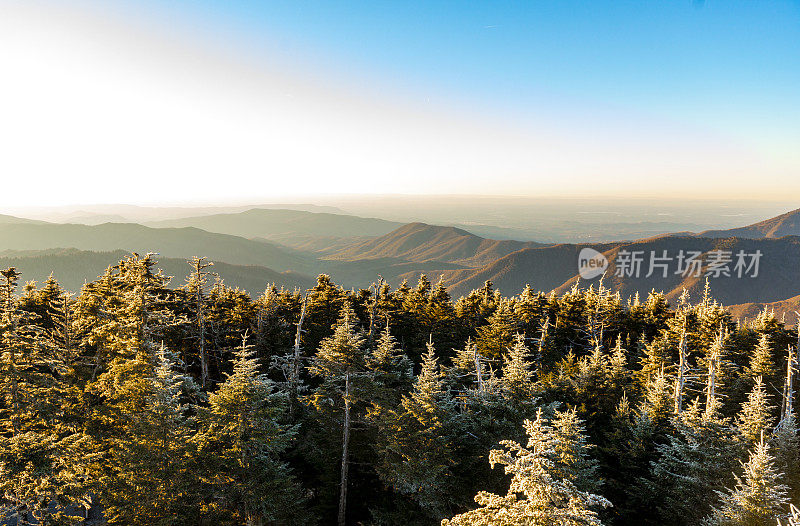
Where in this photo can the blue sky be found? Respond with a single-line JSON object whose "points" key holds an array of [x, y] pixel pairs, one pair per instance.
{"points": [[656, 55], [657, 90]]}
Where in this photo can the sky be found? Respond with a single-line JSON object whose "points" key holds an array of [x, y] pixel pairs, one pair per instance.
{"points": [[210, 101]]}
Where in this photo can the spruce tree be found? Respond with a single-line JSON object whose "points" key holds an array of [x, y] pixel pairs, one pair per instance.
{"points": [[543, 488], [517, 379], [416, 441], [758, 499], [340, 363], [755, 417], [238, 451], [761, 361], [498, 335]]}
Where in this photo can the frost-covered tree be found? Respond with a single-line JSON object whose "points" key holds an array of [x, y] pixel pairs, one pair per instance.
{"points": [[416, 440], [758, 499], [147, 482], [755, 417], [517, 379], [786, 444], [544, 489], [238, 451], [690, 467]]}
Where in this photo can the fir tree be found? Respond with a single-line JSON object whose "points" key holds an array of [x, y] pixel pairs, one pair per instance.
{"points": [[755, 418], [148, 481], [239, 447], [516, 382], [758, 499], [542, 492]]}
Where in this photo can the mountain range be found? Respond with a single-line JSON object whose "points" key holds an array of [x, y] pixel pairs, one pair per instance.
{"points": [[289, 247]]}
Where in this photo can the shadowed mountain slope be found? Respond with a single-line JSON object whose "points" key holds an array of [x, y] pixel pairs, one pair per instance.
{"points": [[420, 242], [542, 268], [168, 242], [284, 225], [785, 310], [72, 268]]}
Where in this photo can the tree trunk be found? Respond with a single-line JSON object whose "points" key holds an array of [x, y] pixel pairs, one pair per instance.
{"points": [[478, 371], [294, 379], [788, 389], [711, 387], [345, 453], [679, 383]]}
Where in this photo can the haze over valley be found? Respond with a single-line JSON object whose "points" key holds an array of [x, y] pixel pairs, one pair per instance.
{"points": [[289, 245]]}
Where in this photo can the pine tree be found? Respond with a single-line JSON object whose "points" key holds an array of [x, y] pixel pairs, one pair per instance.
{"points": [[341, 364], [516, 382], [542, 492], [148, 481], [416, 441], [755, 417], [758, 500], [239, 447]]}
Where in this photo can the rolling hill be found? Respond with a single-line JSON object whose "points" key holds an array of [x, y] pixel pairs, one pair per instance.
{"points": [[12, 220], [422, 243], [356, 250], [542, 268], [168, 242], [787, 224], [72, 268], [285, 226]]}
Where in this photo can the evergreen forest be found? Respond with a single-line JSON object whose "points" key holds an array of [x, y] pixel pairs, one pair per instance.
{"points": [[135, 402]]}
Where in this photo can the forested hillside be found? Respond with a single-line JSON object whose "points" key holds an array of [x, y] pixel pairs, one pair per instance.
{"points": [[286, 226], [133, 403], [75, 267], [351, 250]]}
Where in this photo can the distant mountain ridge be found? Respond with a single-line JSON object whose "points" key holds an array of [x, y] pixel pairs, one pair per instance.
{"points": [[73, 267], [356, 250], [283, 225], [556, 268], [420, 242], [168, 242], [13, 220], [787, 224]]}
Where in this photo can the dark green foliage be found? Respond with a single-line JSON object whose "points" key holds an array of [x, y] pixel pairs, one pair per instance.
{"points": [[382, 406]]}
